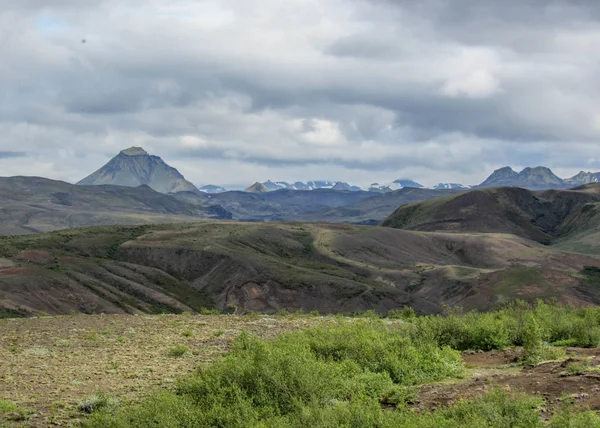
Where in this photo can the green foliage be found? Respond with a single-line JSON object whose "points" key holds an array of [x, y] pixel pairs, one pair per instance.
{"points": [[567, 416], [187, 333], [577, 367], [513, 325], [296, 376], [349, 373], [406, 313], [206, 311], [178, 351], [12, 412]]}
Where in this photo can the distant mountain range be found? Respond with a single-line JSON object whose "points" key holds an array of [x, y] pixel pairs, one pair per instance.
{"points": [[135, 167]]}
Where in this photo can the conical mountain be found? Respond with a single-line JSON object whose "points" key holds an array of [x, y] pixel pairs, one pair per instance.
{"points": [[134, 167], [257, 188]]}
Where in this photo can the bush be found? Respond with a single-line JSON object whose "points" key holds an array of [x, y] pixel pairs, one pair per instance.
{"points": [[178, 351], [97, 402], [341, 375], [292, 377]]}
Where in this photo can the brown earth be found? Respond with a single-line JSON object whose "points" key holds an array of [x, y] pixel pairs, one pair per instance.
{"points": [[498, 369]]}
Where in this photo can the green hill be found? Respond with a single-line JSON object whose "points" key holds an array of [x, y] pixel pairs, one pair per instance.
{"points": [[267, 267], [541, 216]]}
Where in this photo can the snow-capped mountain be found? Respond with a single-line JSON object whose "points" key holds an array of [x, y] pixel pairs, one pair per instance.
{"points": [[395, 185], [209, 188], [450, 186], [309, 185]]}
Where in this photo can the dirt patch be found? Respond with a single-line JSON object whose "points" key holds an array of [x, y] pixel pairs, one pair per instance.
{"points": [[36, 257], [15, 271], [492, 358], [553, 381]]}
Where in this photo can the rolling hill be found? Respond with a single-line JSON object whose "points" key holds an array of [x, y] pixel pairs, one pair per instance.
{"points": [[35, 204], [552, 216], [266, 267]]}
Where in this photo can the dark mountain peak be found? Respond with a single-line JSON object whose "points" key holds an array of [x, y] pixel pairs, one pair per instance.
{"points": [[134, 167], [134, 151], [540, 175], [500, 177], [537, 178]]}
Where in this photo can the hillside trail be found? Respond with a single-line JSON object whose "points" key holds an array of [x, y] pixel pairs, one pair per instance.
{"points": [[575, 379]]}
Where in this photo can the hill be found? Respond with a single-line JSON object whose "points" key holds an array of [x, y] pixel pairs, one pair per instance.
{"points": [[373, 209], [544, 217], [134, 167], [34, 205], [242, 267]]}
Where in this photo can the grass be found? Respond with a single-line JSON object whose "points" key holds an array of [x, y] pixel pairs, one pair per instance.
{"points": [[12, 412], [350, 374], [140, 346], [290, 370]]}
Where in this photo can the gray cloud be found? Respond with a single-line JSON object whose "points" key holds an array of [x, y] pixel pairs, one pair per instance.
{"points": [[371, 90], [8, 155]]}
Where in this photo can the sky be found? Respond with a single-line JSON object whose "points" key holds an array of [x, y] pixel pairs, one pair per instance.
{"points": [[236, 91]]}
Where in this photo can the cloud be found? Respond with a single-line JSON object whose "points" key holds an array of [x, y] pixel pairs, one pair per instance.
{"points": [[235, 91], [9, 155]]}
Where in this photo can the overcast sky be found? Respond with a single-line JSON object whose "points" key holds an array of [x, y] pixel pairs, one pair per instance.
{"points": [[235, 91]]}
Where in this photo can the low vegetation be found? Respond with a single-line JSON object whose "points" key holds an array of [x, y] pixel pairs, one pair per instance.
{"points": [[297, 369], [365, 372]]}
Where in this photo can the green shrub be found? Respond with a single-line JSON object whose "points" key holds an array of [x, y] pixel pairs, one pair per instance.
{"points": [[406, 313], [294, 376], [178, 351], [577, 367], [187, 333], [97, 402]]}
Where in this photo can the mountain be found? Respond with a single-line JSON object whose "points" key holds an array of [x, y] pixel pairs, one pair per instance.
{"points": [[267, 267], [548, 217], [257, 188], [270, 186], [209, 188], [442, 186], [340, 185], [134, 167], [405, 182], [539, 178], [395, 185], [584, 178], [298, 185], [374, 209], [35, 204]]}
